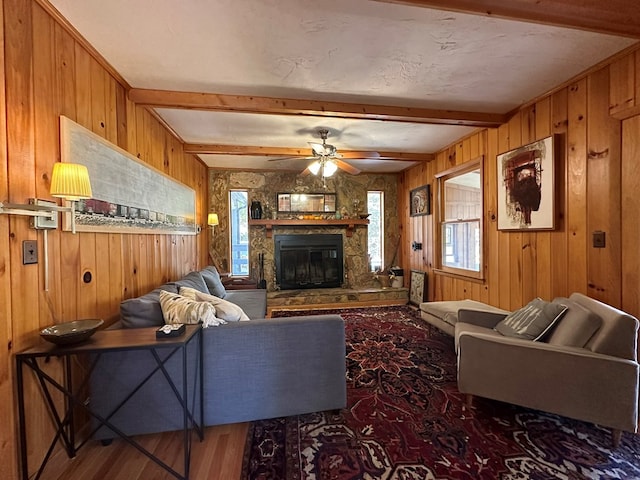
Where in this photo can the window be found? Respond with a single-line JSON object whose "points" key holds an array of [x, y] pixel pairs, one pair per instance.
{"points": [[460, 217], [239, 232], [375, 240]]}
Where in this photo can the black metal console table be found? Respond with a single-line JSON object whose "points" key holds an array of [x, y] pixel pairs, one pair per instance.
{"points": [[110, 342]]}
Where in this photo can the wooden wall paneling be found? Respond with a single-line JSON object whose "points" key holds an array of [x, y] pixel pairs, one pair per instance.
{"points": [[504, 251], [543, 238], [603, 187], [65, 77], [492, 242], [516, 272], [636, 75], [116, 271], [87, 292], [622, 91], [101, 281], [46, 106], [559, 254], [529, 247], [19, 84], [131, 118], [631, 215], [576, 188], [83, 87], [142, 265], [7, 422]]}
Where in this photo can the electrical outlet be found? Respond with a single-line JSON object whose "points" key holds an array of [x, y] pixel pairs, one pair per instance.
{"points": [[29, 252]]}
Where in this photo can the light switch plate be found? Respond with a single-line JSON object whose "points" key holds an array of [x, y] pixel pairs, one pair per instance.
{"points": [[29, 252]]}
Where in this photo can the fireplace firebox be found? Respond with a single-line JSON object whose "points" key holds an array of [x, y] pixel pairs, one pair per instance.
{"points": [[308, 261]]}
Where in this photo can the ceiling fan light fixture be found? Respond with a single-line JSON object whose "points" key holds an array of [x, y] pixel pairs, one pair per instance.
{"points": [[315, 167], [330, 167]]}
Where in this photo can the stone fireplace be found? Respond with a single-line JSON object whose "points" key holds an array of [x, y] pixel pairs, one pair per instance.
{"points": [[308, 261], [265, 186]]}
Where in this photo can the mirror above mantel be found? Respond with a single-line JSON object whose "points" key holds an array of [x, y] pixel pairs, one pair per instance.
{"points": [[306, 202]]}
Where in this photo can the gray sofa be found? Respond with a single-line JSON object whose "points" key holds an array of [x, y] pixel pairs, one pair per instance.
{"points": [[584, 367], [257, 369]]}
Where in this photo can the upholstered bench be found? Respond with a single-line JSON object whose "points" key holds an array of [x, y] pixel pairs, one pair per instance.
{"points": [[444, 315]]}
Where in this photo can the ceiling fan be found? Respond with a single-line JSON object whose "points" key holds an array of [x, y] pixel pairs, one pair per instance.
{"points": [[326, 159]]}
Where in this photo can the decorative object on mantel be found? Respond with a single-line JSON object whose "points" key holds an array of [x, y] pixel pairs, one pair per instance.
{"points": [[71, 332], [526, 186], [255, 210]]}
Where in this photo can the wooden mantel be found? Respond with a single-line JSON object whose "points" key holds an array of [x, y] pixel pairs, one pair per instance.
{"points": [[269, 224]]}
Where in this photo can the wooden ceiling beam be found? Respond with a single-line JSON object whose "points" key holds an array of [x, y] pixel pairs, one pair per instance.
{"points": [[617, 17], [197, 149], [287, 106]]}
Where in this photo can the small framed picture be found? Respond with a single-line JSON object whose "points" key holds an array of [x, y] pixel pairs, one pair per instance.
{"points": [[417, 287], [420, 201]]}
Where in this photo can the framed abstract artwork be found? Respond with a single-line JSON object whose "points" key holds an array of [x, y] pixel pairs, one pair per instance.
{"points": [[417, 287], [420, 201], [526, 187]]}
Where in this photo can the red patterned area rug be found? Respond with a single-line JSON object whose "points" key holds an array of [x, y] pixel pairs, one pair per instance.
{"points": [[405, 420]]}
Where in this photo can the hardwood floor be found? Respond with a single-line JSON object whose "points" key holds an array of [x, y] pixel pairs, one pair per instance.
{"points": [[217, 457]]}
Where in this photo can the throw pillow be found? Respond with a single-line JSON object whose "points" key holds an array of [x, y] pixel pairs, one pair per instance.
{"points": [[193, 280], [213, 281], [576, 327], [179, 309], [226, 310], [532, 321]]}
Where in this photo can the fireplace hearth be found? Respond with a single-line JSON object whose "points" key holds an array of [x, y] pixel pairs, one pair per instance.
{"points": [[309, 261]]}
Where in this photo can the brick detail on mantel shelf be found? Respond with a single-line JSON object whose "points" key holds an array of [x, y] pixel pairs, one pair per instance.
{"points": [[335, 298]]}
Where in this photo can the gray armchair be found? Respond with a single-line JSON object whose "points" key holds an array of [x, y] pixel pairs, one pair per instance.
{"points": [[589, 375]]}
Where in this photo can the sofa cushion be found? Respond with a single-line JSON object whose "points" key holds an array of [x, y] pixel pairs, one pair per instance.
{"points": [[576, 327], [253, 302], [225, 310], [193, 280], [531, 321], [213, 281], [447, 311], [145, 311], [179, 309]]}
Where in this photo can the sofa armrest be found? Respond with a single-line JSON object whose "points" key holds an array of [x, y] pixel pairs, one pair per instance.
{"points": [[480, 318], [569, 381]]}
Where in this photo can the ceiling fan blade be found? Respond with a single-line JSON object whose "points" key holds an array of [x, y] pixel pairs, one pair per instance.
{"points": [[346, 167], [289, 158]]}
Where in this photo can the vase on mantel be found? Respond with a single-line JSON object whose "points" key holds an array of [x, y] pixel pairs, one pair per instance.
{"points": [[255, 210]]}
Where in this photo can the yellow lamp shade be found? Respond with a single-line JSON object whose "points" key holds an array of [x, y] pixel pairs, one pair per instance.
{"points": [[70, 181], [212, 219]]}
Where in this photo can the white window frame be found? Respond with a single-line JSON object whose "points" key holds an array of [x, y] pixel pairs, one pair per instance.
{"points": [[381, 237], [442, 221]]}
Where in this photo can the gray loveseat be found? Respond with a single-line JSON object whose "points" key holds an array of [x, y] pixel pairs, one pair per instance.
{"points": [[257, 369], [585, 367]]}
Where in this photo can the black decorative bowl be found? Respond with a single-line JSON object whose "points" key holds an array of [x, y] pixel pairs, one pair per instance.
{"points": [[71, 332]]}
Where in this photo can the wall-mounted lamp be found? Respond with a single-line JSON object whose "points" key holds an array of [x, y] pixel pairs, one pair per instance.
{"points": [[212, 221], [69, 181]]}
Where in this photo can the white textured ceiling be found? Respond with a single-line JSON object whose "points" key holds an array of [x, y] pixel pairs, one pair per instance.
{"points": [[357, 51]]}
